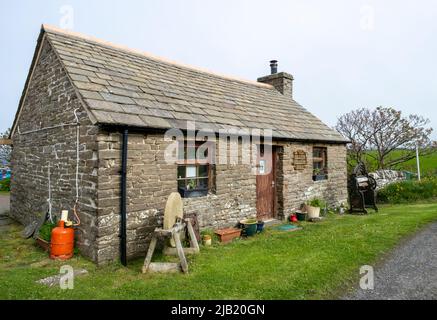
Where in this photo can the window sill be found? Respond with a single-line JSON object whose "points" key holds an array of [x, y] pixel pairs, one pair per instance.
{"points": [[195, 193], [320, 178]]}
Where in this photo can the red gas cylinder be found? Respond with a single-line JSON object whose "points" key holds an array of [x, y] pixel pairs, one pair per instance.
{"points": [[62, 242]]}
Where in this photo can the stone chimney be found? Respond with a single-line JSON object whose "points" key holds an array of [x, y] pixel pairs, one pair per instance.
{"points": [[282, 81]]}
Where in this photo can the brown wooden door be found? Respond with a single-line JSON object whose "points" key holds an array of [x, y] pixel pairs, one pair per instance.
{"points": [[266, 185]]}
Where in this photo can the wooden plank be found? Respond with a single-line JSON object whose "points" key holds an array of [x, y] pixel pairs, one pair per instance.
{"points": [[7, 142], [164, 267], [173, 251], [193, 240], [149, 254], [180, 250]]}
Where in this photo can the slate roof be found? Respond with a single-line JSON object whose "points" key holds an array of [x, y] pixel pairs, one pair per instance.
{"points": [[125, 87]]}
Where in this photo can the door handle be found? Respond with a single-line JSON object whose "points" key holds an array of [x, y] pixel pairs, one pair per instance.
{"points": [[273, 184]]}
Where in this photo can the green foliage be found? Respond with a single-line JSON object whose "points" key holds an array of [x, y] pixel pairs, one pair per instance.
{"points": [[315, 202], [5, 185], [45, 231], [409, 191], [428, 163]]}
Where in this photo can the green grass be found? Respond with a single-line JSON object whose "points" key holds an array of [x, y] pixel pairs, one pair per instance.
{"points": [[5, 193], [428, 164], [320, 261]]}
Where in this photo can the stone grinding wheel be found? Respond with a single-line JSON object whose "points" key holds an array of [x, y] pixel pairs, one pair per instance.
{"points": [[173, 211]]}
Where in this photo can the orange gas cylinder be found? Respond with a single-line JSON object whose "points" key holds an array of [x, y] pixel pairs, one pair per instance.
{"points": [[62, 242]]}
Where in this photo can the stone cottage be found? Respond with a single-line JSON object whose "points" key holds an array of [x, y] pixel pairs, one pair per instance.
{"points": [[90, 134]]}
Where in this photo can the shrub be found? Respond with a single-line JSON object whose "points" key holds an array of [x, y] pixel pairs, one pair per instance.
{"points": [[5, 184], [45, 231], [409, 191], [316, 203]]}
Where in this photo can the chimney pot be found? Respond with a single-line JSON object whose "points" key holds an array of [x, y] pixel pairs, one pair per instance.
{"points": [[274, 66]]}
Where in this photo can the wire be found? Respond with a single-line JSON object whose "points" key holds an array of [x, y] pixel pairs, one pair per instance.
{"points": [[49, 200], [77, 168]]}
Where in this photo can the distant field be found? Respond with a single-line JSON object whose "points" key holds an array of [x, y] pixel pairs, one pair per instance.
{"points": [[428, 164]]}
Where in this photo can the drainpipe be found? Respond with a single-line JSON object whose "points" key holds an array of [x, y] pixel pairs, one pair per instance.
{"points": [[123, 198]]}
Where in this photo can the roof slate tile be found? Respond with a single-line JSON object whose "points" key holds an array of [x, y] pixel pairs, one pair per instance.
{"points": [[128, 88]]}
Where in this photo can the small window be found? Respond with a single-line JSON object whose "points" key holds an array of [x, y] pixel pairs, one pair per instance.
{"points": [[320, 164], [194, 174]]}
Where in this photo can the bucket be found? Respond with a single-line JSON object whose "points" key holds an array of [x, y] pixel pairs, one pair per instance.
{"points": [[301, 216]]}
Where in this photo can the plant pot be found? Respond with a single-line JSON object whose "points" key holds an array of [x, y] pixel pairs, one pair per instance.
{"points": [[228, 234], [185, 193], [319, 177], [313, 212], [249, 227], [259, 226], [207, 240], [45, 245], [301, 216]]}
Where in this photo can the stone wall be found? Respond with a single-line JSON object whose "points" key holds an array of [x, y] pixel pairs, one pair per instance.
{"points": [[150, 181], [298, 185], [386, 177], [51, 101]]}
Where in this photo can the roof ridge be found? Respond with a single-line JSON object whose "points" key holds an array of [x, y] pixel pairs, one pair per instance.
{"points": [[54, 29]]}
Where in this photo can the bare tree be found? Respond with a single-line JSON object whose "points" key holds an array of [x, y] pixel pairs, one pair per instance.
{"points": [[5, 150], [384, 130], [399, 133], [359, 127]]}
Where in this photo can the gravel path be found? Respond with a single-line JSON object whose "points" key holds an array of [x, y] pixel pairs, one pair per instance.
{"points": [[409, 272]]}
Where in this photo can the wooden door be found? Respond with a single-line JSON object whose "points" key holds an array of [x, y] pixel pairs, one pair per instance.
{"points": [[266, 184]]}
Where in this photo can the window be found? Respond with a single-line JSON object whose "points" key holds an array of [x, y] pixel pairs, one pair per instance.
{"points": [[194, 173], [320, 164]]}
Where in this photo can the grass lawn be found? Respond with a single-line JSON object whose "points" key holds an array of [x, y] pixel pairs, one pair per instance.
{"points": [[320, 261], [4, 193], [428, 164]]}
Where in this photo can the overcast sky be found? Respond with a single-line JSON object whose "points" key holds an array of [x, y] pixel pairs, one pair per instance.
{"points": [[342, 54]]}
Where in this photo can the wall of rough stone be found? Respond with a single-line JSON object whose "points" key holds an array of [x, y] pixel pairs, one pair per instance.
{"points": [[298, 185], [51, 101], [150, 181]]}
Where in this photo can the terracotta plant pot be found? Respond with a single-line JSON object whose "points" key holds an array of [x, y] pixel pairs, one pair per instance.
{"points": [[228, 234], [313, 212]]}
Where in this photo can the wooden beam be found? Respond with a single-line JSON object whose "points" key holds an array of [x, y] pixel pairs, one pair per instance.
{"points": [[7, 142], [169, 251]]}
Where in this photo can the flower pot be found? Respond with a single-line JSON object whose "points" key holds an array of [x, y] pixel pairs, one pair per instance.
{"points": [[193, 193], [301, 216], [259, 226], [228, 234], [313, 212], [249, 227], [45, 245], [207, 240]]}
